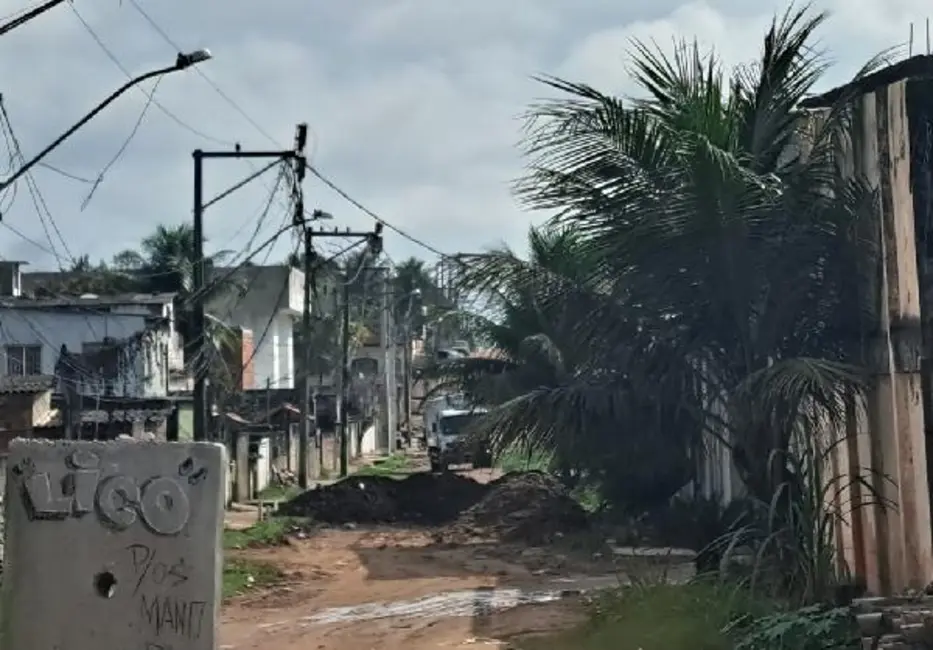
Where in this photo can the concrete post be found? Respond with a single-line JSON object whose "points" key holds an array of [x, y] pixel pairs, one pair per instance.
{"points": [[242, 485], [112, 545]]}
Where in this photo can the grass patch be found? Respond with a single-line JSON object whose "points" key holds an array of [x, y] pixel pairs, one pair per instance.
{"points": [[269, 532], [390, 466], [515, 459], [242, 575], [667, 617], [280, 492]]}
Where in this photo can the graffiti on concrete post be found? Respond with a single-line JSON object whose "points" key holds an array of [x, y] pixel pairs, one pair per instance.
{"points": [[160, 502]]}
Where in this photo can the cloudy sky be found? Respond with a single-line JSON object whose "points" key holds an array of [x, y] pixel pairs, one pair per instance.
{"points": [[413, 106]]}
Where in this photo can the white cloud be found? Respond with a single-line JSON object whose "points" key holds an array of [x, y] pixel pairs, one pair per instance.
{"points": [[413, 103]]}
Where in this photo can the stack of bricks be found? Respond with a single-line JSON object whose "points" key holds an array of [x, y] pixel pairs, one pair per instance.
{"points": [[895, 623]]}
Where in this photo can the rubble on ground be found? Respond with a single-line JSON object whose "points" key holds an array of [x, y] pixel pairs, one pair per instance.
{"points": [[430, 499], [529, 507]]}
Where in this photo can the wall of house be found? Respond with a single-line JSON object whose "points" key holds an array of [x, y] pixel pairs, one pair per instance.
{"points": [[269, 304], [367, 354], [143, 368], [273, 362]]}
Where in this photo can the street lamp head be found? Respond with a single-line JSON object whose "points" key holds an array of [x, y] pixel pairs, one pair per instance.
{"points": [[192, 58], [416, 293]]}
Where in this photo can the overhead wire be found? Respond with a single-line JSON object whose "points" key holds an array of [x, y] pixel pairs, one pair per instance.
{"points": [[62, 172], [259, 129], [124, 146], [113, 57], [39, 203]]}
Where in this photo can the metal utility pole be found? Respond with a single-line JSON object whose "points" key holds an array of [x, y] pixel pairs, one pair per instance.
{"points": [[344, 385], [388, 344], [304, 444], [374, 240], [406, 374], [199, 331]]}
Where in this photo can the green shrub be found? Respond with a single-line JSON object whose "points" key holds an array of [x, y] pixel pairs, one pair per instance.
{"points": [[810, 628], [696, 616]]}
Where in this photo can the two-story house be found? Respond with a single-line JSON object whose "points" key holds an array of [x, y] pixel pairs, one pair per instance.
{"points": [[267, 301], [124, 345]]}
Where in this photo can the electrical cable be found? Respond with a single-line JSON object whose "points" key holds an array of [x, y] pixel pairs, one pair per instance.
{"points": [[329, 183], [42, 208], [62, 172], [318, 265], [113, 57], [123, 147]]}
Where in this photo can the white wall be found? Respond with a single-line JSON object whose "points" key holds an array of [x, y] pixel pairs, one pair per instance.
{"points": [[269, 309], [273, 360], [143, 372]]}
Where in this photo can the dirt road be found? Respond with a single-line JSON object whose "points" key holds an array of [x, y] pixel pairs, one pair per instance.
{"points": [[356, 587], [391, 589]]}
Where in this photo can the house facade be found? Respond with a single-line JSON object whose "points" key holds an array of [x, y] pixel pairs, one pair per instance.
{"points": [[267, 302], [124, 346]]}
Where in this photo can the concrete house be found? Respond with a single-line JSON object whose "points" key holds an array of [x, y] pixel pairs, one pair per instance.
{"points": [[123, 345], [267, 303]]}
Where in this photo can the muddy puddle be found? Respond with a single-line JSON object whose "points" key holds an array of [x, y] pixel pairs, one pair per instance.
{"points": [[472, 603]]}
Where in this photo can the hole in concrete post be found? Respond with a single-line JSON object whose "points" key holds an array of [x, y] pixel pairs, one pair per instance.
{"points": [[105, 583]]}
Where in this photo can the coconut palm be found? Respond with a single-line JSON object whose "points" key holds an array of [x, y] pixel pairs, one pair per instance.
{"points": [[167, 265], [717, 251]]}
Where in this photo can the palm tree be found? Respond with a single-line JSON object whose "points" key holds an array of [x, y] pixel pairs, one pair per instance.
{"points": [[166, 264], [717, 256]]}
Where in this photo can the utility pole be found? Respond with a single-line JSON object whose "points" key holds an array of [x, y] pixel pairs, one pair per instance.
{"points": [[389, 347], [344, 379], [374, 240], [406, 373], [304, 445], [198, 319]]}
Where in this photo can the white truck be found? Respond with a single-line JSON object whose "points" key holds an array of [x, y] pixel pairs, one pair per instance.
{"points": [[445, 420]]}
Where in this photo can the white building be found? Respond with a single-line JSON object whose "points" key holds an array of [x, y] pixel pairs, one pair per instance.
{"points": [[117, 345], [267, 301]]}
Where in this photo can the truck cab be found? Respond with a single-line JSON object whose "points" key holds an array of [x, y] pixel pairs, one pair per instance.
{"points": [[446, 420]]}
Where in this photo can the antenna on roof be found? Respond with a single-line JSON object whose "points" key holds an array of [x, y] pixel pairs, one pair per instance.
{"points": [[910, 42], [928, 36]]}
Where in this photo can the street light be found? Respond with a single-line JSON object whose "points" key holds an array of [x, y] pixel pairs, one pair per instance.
{"points": [[182, 62]]}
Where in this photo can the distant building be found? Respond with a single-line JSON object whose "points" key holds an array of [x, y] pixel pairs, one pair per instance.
{"points": [[268, 303], [124, 345]]}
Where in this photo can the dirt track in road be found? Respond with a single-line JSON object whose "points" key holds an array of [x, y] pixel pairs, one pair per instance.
{"points": [[365, 587], [414, 595]]}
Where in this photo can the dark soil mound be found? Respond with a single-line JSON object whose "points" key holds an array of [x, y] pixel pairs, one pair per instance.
{"points": [[530, 507], [436, 498], [363, 499], [422, 498]]}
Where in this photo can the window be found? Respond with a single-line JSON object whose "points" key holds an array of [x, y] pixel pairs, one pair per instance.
{"points": [[23, 360]]}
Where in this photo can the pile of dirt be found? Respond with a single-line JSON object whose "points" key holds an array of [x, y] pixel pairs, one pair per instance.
{"points": [[364, 499], [431, 499], [436, 499], [529, 507]]}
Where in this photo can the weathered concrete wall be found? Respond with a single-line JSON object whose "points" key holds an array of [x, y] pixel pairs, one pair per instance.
{"points": [[112, 545]]}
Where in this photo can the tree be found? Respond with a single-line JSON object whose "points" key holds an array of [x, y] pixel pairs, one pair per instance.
{"points": [[713, 279], [166, 264]]}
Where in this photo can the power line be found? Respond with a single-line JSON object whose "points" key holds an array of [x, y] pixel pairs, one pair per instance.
{"points": [[113, 57], [352, 201], [123, 147], [42, 208], [255, 124]]}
